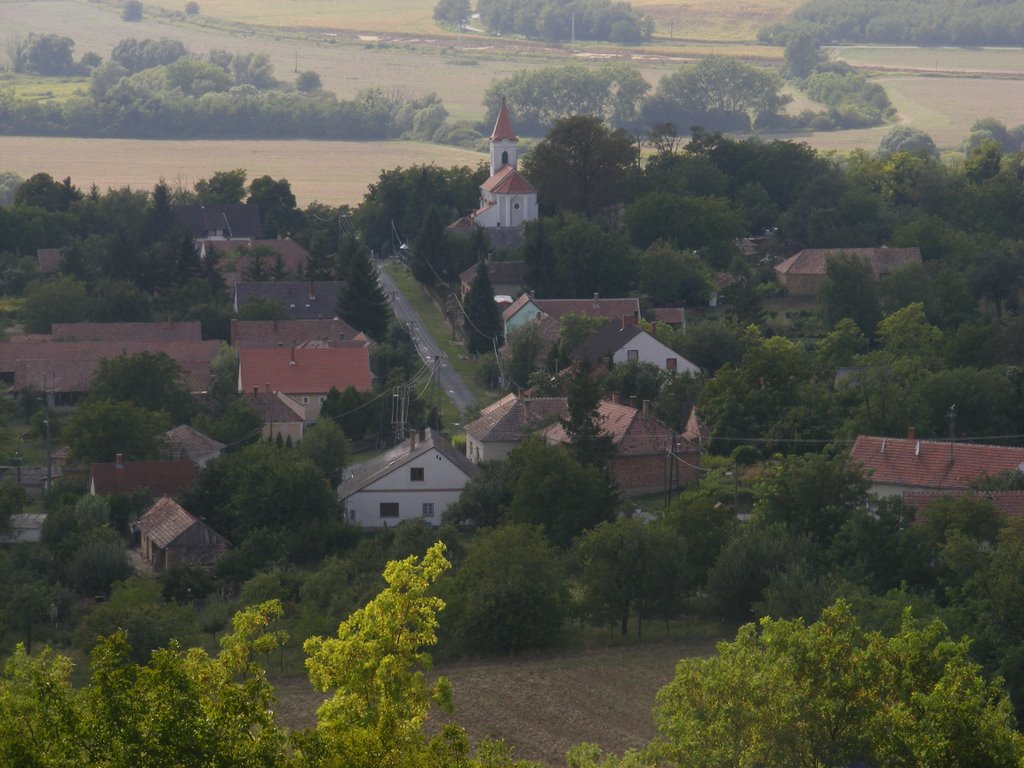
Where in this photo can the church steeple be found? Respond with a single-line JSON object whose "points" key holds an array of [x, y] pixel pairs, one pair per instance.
{"points": [[504, 142]]}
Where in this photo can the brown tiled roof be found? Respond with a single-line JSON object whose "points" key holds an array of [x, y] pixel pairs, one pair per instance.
{"points": [[932, 464], [184, 442], [163, 478], [1010, 503], [185, 330], [516, 305], [165, 521], [669, 315], [503, 125], [507, 181], [368, 472], [512, 418], [68, 366], [303, 370], [632, 433], [612, 309], [276, 333], [271, 408], [884, 260], [500, 273]]}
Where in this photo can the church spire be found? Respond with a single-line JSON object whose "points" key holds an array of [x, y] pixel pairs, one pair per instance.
{"points": [[503, 125]]}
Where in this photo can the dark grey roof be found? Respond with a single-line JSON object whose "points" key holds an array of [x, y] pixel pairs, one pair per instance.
{"points": [[370, 471], [499, 272], [608, 339], [232, 219], [302, 299]]}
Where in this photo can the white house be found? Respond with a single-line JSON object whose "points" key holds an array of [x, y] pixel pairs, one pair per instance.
{"points": [[417, 480], [624, 342]]}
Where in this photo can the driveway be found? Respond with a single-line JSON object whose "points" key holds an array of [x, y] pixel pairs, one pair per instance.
{"points": [[426, 346]]}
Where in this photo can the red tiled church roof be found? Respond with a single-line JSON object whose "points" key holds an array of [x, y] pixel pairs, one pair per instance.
{"points": [[507, 181]]}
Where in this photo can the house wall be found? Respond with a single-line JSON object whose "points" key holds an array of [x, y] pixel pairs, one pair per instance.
{"points": [[286, 429], [306, 404], [803, 285], [487, 450], [649, 473], [526, 313], [650, 350], [441, 486]]}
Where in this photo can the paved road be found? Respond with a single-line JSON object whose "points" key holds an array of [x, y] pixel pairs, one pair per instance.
{"points": [[427, 347]]}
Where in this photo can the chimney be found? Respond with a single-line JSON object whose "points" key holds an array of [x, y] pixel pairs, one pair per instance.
{"points": [[636, 317], [647, 409], [312, 290], [447, 439], [119, 462], [423, 434], [597, 299], [412, 440], [627, 320], [911, 433], [292, 362], [632, 401]]}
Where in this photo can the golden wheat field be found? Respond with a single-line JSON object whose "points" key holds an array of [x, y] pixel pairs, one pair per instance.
{"points": [[332, 172]]}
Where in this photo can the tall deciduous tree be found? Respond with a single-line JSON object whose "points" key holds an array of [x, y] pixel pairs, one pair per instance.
{"points": [[482, 323], [850, 290], [581, 165], [150, 380], [832, 694]]}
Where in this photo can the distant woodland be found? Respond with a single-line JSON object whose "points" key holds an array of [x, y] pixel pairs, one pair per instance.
{"points": [[913, 22]]}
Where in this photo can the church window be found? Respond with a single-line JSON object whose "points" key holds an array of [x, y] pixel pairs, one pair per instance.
{"points": [[504, 157]]}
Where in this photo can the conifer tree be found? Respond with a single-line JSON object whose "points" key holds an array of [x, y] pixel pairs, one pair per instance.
{"points": [[361, 303], [482, 323]]}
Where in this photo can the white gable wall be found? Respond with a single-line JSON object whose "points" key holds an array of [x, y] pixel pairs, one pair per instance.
{"points": [[441, 486], [650, 350]]}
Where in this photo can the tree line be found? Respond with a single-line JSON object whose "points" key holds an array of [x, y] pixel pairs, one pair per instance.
{"points": [[909, 23]]}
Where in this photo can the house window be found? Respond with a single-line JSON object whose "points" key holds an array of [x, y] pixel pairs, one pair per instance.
{"points": [[416, 474], [670, 364], [305, 401], [323, 398], [389, 509], [632, 354], [428, 509]]}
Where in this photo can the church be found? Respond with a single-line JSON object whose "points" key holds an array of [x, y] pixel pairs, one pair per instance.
{"points": [[507, 200]]}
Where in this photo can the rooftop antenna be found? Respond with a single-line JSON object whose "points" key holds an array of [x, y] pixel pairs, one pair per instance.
{"points": [[952, 429]]}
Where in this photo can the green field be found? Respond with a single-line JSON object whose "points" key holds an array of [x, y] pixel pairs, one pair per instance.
{"points": [[934, 60]]}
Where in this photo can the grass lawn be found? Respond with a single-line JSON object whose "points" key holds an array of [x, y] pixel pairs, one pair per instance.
{"points": [[463, 364]]}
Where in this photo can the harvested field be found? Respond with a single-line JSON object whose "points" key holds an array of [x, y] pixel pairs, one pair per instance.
{"points": [[332, 172], [543, 706]]}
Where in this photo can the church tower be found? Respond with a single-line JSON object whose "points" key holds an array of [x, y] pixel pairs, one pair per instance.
{"points": [[504, 142]]}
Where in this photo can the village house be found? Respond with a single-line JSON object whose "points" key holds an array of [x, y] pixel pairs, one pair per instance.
{"points": [[416, 480], [301, 299], [899, 465], [220, 221], [527, 308], [304, 374], [508, 278], [165, 331], [504, 424], [283, 418], [333, 332], [187, 444], [170, 537], [649, 457], [621, 342], [1008, 503], [160, 478], [803, 274]]}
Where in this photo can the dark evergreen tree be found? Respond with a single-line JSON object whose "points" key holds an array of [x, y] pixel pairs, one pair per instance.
{"points": [[482, 321], [590, 444], [429, 250], [361, 302]]}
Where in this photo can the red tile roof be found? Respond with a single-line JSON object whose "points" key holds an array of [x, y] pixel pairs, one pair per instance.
{"points": [[68, 366], [164, 478], [931, 464], [883, 261], [50, 260], [669, 315], [632, 433], [304, 370], [165, 521], [1010, 503], [503, 125], [507, 181], [513, 418]]}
